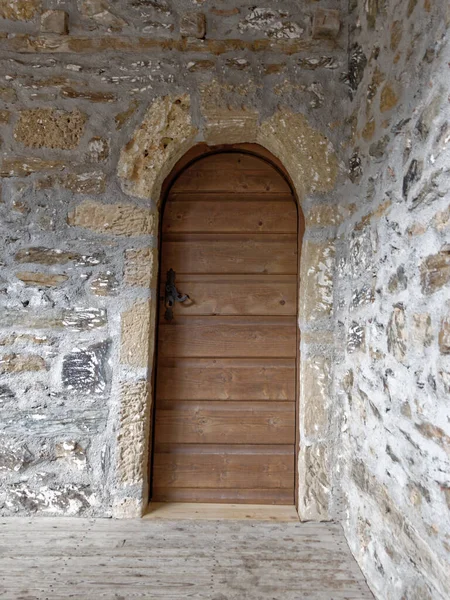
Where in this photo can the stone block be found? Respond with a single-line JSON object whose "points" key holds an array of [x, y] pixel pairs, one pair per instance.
{"points": [[141, 267], [114, 219], [14, 456], [317, 268], [19, 10], [54, 256], [98, 149], [326, 23], [164, 136], [8, 95], [55, 21], [84, 319], [41, 279], [127, 508], [388, 98], [85, 370], [356, 338], [5, 116], [314, 483], [90, 95], [134, 425], [136, 344], [63, 499], [104, 284], [229, 125], [84, 183], [193, 24], [435, 271], [307, 154], [396, 333], [18, 363], [421, 330], [49, 128], [71, 452], [315, 389], [444, 336], [76, 319], [323, 215], [22, 166]]}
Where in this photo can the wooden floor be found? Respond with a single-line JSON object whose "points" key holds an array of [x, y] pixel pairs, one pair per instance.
{"points": [[52, 558]]}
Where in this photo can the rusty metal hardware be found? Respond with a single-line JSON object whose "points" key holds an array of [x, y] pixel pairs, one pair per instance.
{"points": [[172, 295]]}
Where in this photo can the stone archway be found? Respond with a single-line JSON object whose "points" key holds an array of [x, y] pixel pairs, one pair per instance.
{"points": [[167, 132]]}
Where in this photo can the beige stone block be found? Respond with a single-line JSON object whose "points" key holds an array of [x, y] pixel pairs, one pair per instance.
{"points": [[316, 277], [19, 10], [160, 140], [49, 128], [315, 387], [41, 279], [127, 508], [55, 21], [132, 443], [114, 219], [137, 338], [323, 215], [314, 483], [305, 152], [141, 267], [18, 363], [230, 126], [321, 336], [22, 166]]}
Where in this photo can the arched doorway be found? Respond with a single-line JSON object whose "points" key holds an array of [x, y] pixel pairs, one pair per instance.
{"points": [[226, 367]]}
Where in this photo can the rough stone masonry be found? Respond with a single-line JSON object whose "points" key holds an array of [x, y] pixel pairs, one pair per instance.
{"points": [[98, 100]]}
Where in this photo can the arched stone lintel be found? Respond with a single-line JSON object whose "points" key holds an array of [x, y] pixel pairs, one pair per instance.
{"points": [[168, 132]]}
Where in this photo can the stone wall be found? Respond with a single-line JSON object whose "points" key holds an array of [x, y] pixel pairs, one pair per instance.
{"points": [[98, 100], [392, 300]]}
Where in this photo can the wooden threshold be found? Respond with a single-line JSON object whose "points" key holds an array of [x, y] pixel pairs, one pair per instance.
{"points": [[196, 511]]}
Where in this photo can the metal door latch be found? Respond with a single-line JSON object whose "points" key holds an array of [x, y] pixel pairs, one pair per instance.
{"points": [[172, 295]]}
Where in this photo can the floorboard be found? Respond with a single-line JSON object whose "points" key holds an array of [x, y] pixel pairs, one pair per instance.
{"points": [[176, 559]]}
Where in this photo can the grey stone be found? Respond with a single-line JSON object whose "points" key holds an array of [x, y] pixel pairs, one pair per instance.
{"points": [[396, 333], [84, 370], [356, 338], [69, 499], [413, 174], [356, 66]]}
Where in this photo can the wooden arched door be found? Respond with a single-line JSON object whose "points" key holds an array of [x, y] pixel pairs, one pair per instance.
{"points": [[225, 412]]}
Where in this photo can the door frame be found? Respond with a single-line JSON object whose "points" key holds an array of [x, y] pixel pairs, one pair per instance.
{"points": [[194, 154]]}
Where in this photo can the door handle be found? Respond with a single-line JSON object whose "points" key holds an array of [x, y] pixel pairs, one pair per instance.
{"points": [[172, 295]]}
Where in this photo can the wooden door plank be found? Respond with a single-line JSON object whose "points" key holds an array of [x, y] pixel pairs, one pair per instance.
{"points": [[191, 214], [229, 337], [254, 180], [226, 379], [230, 253], [250, 295], [223, 496], [215, 466], [219, 422]]}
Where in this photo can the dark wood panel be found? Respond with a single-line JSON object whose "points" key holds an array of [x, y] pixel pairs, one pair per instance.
{"points": [[229, 337], [226, 379], [236, 295], [230, 253], [219, 422], [230, 161], [216, 466], [190, 214], [224, 496]]}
